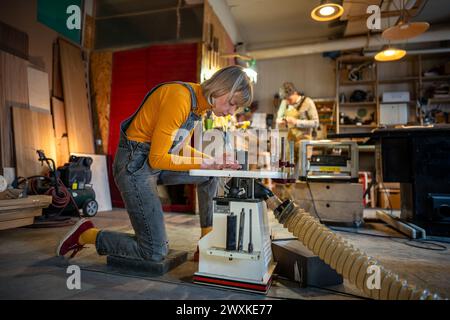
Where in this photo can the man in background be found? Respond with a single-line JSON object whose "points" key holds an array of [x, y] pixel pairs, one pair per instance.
{"points": [[298, 113]]}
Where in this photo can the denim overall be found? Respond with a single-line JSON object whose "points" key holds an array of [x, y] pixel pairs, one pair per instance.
{"points": [[137, 183]]}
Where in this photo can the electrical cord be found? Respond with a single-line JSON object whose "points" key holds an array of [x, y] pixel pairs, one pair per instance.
{"points": [[413, 243], [313, 202], [61, 196], [431, 238]]}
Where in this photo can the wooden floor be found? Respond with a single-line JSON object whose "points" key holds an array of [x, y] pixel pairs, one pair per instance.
{"points": [[30, 270]]}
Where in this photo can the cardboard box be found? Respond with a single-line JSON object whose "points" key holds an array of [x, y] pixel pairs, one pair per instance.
{"points": [[388, 198], [393, 113], [396, 96]]}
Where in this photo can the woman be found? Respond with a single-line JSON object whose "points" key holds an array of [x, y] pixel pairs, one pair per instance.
{"points": [[148, 153]]}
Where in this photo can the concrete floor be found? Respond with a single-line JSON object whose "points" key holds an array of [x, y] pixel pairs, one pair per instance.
{"points": [[30, 270]]}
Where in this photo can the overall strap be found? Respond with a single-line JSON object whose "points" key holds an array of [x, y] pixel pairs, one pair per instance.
{"points": [[301, 103], [125, 124], [189, 87]]}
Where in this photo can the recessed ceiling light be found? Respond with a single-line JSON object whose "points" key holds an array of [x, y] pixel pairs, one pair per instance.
{"points": [[327, 12]]}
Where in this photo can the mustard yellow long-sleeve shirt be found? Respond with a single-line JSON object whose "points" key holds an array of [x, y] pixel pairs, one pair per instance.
{"points": [[162, 114]]}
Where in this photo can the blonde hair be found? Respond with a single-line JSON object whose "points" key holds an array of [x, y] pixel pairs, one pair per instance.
{"points": [[232, 80]]}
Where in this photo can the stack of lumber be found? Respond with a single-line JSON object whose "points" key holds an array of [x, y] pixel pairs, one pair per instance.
{"points": [[33, 117], [21, 212]]}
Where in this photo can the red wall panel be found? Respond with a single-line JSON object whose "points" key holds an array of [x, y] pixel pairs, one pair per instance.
{"points": [[134, 73]]}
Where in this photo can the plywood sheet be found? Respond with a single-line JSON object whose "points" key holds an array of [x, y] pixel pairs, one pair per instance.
{"points": [[100, 75], [61, 141], [13, 41], [38, 90], [78, 115], [57, 90], [13, 93], [33, 130], [99, 180]]}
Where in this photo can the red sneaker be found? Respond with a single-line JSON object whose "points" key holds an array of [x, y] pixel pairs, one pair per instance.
{"points": [[70, 240]]}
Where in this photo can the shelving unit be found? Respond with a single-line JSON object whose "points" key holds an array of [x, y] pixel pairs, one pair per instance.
{"points": [[366, 80], [325, 109], [404, 75]]}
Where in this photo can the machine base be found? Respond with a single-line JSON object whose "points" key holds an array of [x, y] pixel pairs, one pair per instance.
{"points": [[261, 287], [209, 280]]}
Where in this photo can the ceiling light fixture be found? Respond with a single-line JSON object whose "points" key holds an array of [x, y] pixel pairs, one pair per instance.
{"points": [[327, 11], [390, 54], [404, 29], [251, 71]]}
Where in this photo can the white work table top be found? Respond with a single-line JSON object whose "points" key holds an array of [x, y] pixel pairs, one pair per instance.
{"points": [[238, 174]]}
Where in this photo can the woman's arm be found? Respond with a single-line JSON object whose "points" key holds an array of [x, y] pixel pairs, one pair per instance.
{"points": [[175, 106]]}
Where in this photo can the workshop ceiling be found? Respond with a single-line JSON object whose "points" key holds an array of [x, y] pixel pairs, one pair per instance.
{"points": [[269, 23], [121, 24], [262, 23]]}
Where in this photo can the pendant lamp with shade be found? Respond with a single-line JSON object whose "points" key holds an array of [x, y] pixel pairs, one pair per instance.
{"points": [[404, 29]]}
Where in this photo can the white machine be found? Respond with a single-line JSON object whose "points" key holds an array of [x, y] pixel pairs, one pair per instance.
{"points": [[237, 252], [328, 160]]}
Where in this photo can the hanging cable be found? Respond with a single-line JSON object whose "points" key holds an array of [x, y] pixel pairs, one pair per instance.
{"points": [[178, 18]]}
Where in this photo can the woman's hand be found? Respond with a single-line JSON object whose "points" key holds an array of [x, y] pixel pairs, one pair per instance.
{"points": [[206, 164], [227, 162]]}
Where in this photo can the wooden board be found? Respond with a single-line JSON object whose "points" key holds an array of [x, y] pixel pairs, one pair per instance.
{"points": [[38, 201], [334, 211], [334, 202], [57, 90], [344, 192], [100, 77], [33, 131], [99, 180], [89, 31], [20, 214], [78, 115], [16, 223], [38, 90], [13, 41], [13, 92], [396, 224], [61, 140]]}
